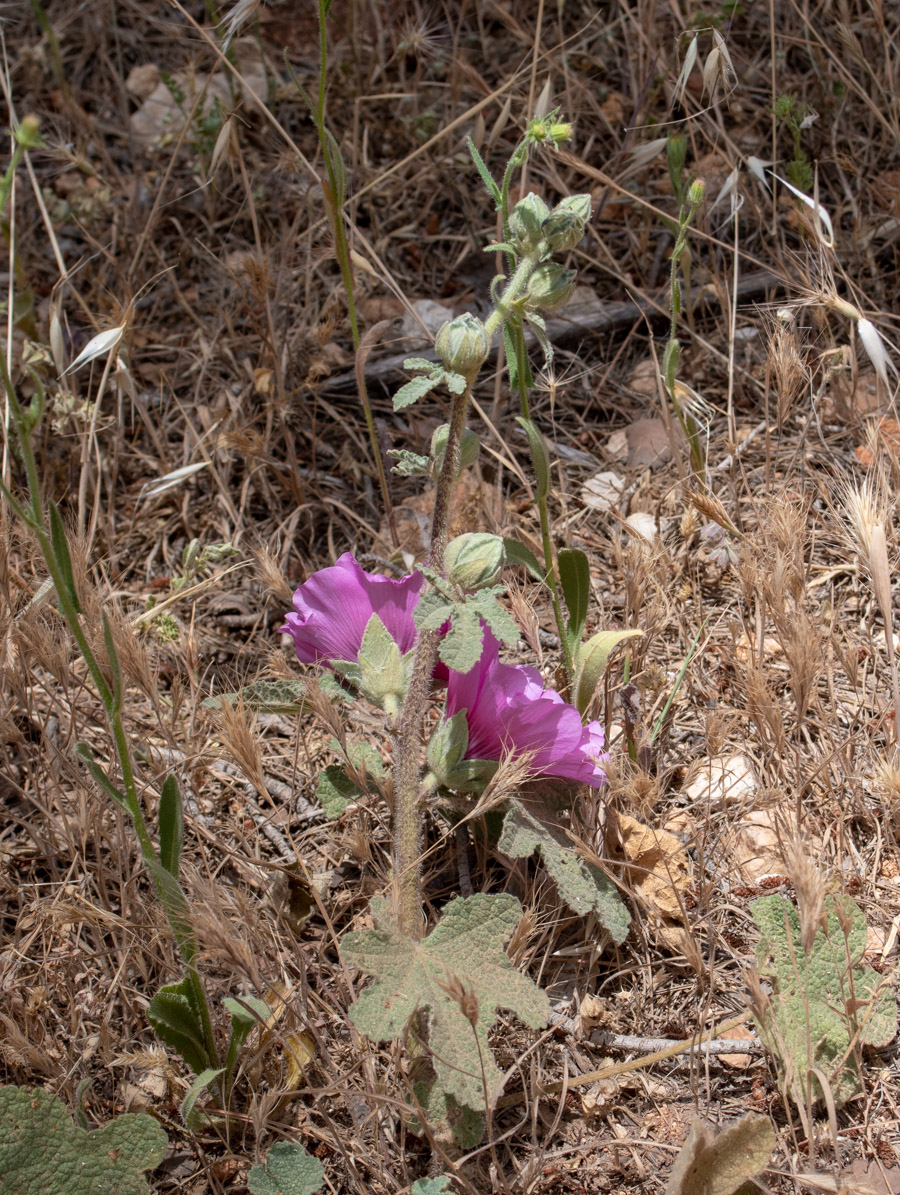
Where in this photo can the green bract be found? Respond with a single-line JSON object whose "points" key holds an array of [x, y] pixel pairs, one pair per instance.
{"points": [[475, 559], [550, 287], [462, 345]]}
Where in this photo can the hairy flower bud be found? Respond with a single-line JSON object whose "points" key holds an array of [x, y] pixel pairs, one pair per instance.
{"points": [[475, 559], [696, 192], [462, 345], [565, 225], [469, 447], [550, 287], [526, 221]]}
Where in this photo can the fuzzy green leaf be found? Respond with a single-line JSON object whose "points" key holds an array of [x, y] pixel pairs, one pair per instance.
{"points": [[466, 945], [409, 464], [539, 459], [289, 1170], [460, 649], [519, 556], [431, 1186], [719, 1163], [496, 615], [42, 1152], [60, 544], [190, 1113], [591, 659], [173, 1018], [824, 1004], [444, 1115], [432, 610], [583, 886], [171, 826], [265, 696], [455, 382], [483, 171], [415, 389], [335, 790], [575, 580], [538, 326]]}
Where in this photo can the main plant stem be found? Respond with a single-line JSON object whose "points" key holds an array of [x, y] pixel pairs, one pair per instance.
{"points": [[408, 791], [407, 783]]}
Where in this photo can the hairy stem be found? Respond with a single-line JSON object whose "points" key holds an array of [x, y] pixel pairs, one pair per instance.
{"points": [[408, 790]]}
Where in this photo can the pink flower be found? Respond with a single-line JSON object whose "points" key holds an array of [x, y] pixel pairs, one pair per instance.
{"points": [[508, 709], [332, 610]]}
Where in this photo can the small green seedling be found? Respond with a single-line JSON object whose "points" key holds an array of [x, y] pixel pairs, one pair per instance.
{"points": [[43, 1152], [825, 1005]]}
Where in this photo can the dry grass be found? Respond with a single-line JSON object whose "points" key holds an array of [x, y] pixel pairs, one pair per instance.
{"points": [[214, 249]]}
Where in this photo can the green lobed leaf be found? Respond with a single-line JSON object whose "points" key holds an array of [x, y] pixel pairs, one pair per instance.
{"points": [[713, 1163], [175, 1020], [288, 1170], [432, 610], [265, 696], [591, 659], [575, 580], [495, 614], [335, 790], [582, 885], [415, 389], [520, 556], [461, 647], [824, 1004], [383, 671], [466, 945], [43, 1152], [171, 826], [409, 464], [539, 459], [455, 382]]}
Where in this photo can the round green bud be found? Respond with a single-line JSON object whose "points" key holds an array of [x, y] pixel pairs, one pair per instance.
{"points": [[462, 345], [28, 132], [475, 559], [526, 221], [565, 225], [696, 192], [550, 287], [469, 447]]}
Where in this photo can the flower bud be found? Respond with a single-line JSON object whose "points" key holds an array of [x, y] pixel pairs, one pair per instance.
{"points": [[469, 447], [696, 192], [27, 134], [526, 221], [550, 287], [565, 225], [475, 559], [462, 345]]}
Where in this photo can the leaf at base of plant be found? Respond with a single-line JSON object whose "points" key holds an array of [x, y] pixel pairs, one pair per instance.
{"points": [[583, 886], [288, 1170], [824, 1004], [43, 1152], [464, 954]]}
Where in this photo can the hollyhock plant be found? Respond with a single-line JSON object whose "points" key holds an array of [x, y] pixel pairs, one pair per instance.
{"points": [[333, 608], [508, 709]]}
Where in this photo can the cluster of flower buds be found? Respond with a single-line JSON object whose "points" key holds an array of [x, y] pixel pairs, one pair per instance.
{"points": [[534, 227]]}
